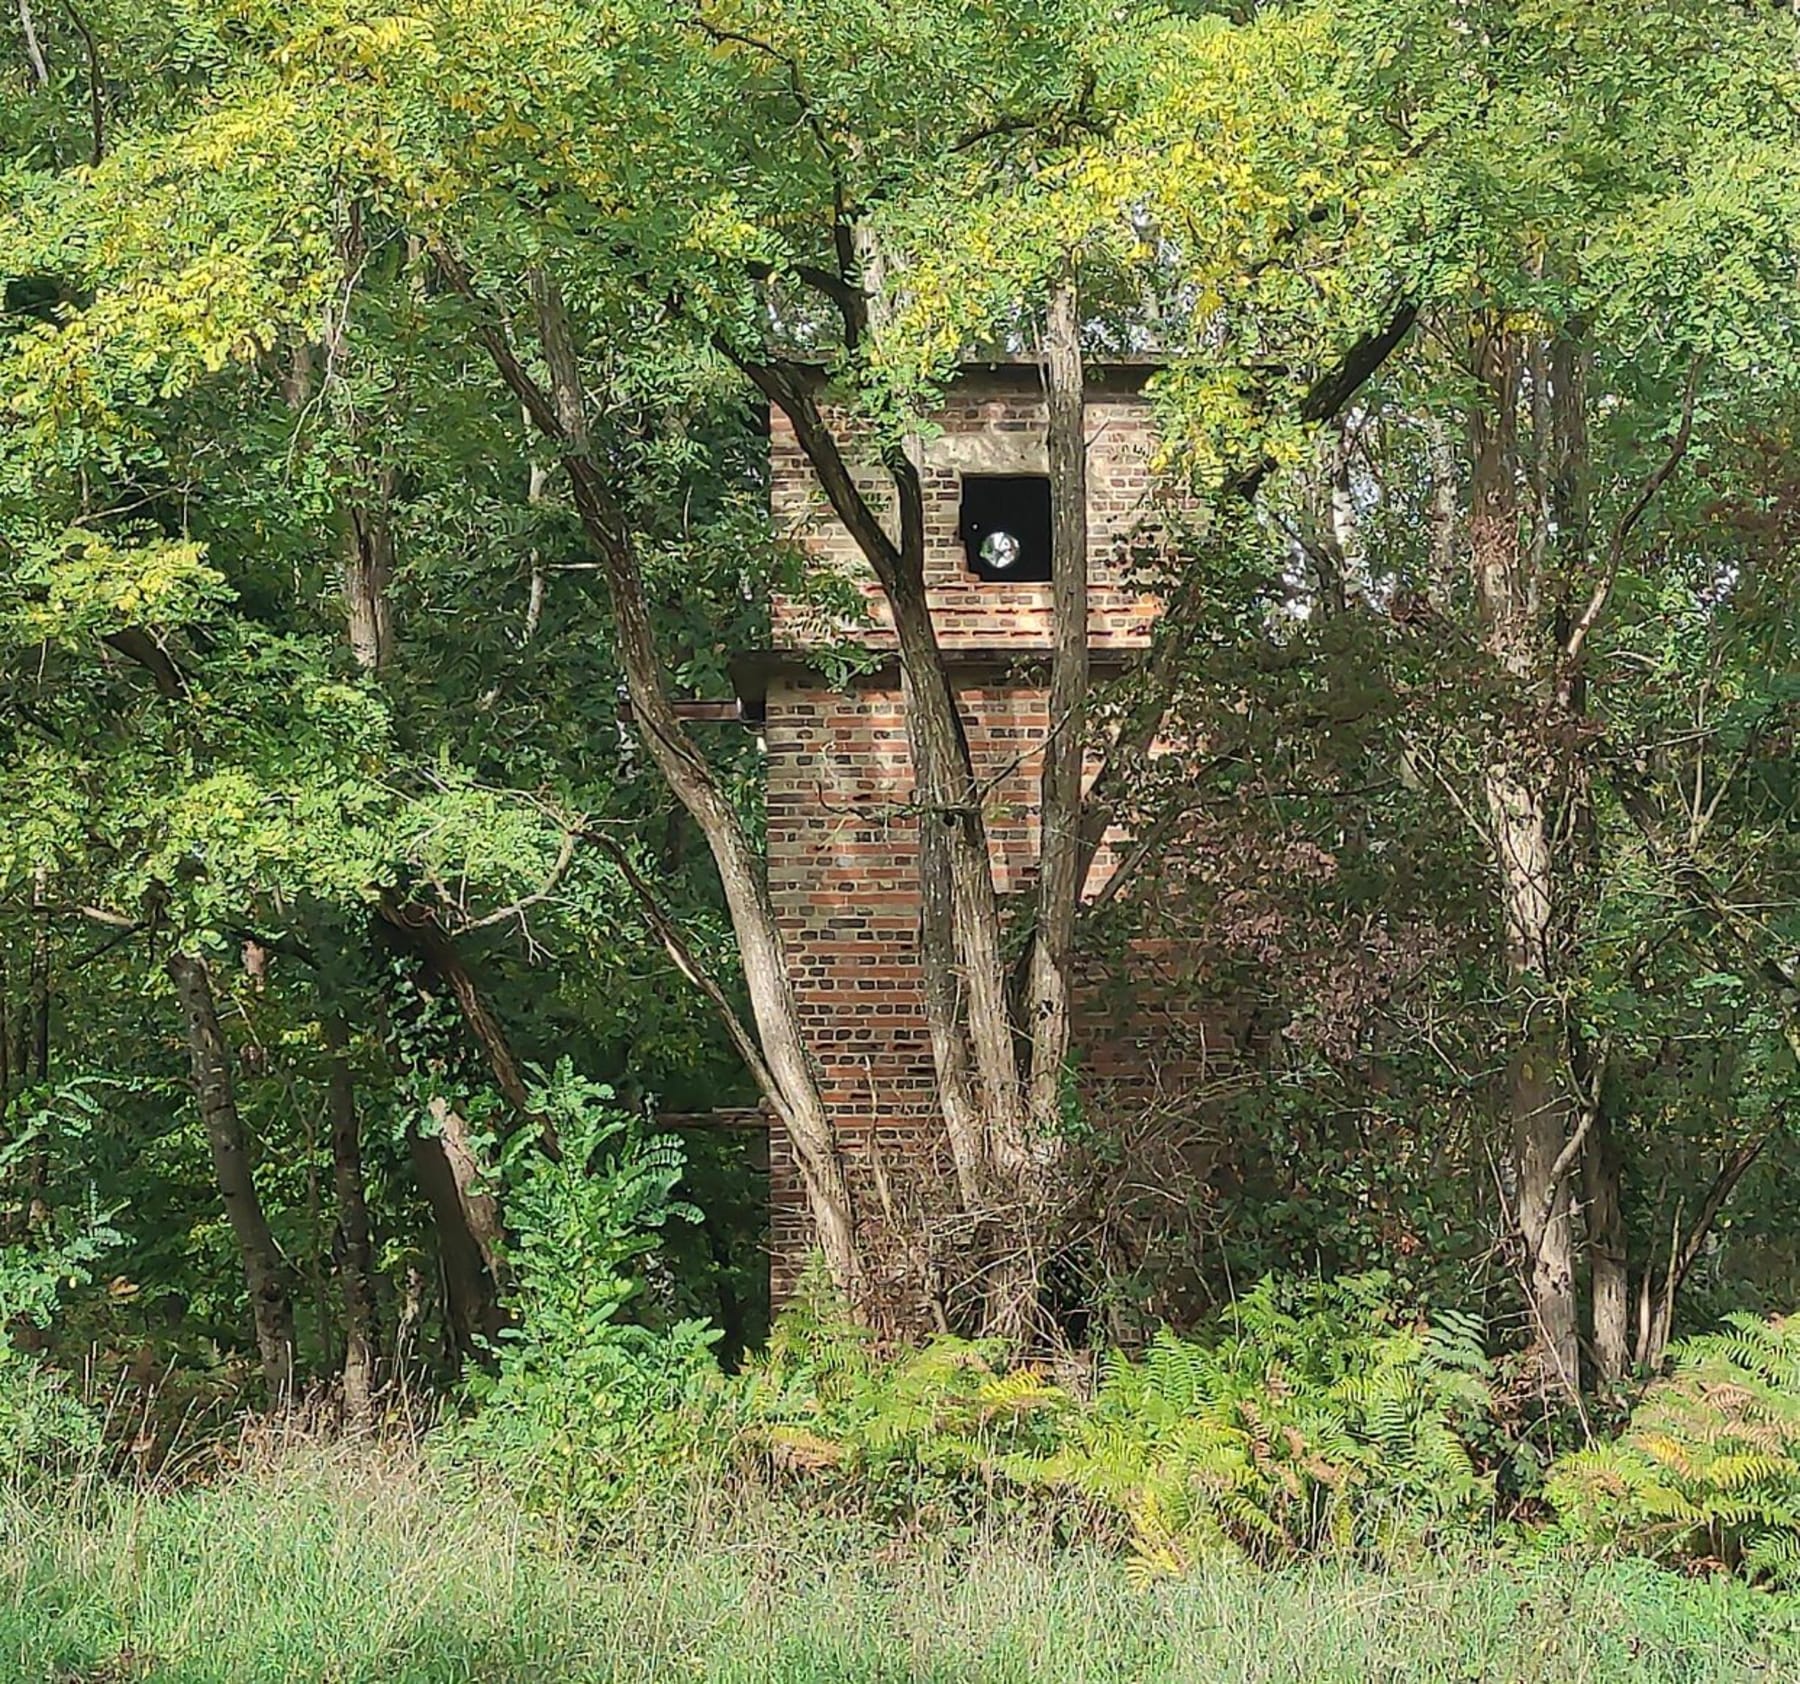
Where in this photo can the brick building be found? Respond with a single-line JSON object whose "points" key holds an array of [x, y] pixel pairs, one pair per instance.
{"points": [[840, 836]]}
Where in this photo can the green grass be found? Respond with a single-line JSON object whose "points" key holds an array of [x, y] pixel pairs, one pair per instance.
{"points": [[366, 1568]]}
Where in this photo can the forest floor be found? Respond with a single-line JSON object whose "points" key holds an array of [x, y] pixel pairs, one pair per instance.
{"points": [[341, 1567]]}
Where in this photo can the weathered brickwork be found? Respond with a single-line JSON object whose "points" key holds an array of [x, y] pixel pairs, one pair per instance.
{"points": [[841, 833], [993, 423]]}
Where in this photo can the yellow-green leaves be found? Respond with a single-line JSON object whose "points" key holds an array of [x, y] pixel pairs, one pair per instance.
{"points": [[82, 584]]}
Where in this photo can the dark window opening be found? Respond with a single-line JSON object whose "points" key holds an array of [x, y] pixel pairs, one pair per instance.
{"points": [[1006, 527]]}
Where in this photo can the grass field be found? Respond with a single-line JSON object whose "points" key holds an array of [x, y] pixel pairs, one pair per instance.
{"points": [[366, 1568]]}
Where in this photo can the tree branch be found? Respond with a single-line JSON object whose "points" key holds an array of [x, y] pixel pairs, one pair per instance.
{"points": [[668, 932], [537, 898], [34, 50], [143, 649], [96, 84], [1324, 400], [1590, 615]]}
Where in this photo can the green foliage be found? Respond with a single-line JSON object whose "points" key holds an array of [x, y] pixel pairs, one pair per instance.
{"points": [[584, 1406], [228, 350], [925, 1434], [1708, 1468], [1318, 1418], [45, 1429], [1322, 1418], [47, 1432], [368, 1568]]}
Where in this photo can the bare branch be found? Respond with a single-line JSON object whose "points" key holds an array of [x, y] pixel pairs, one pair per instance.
{"points": [[1590, 615], [668, 932], [112, 920], [34, 50], [519, 907]]}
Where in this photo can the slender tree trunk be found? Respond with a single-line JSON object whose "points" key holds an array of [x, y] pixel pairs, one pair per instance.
{"points": [[964, 984], [1687, 1246], [368, 534], [1049, 1010], [34, 50], [1608, 1278], [965, 1125], [8, 1058], [265, 1274], [368, 567], [471, 1305], [39, 1062], [1567, 492], [355, 1243], [779, 1059], [1049, 992], [1518, 787], [966, 981], [468, 1221]]}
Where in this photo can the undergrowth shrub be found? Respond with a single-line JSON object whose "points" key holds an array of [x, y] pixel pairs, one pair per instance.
{"points": [[926, 1435], [1320, 1418], [589, 1401], [1708, 1469], [46, 1430]]}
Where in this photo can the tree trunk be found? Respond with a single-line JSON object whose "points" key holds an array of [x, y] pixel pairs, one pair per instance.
{"points": [[422, 936], [355, 1244], [1518, 791], [265, 1274], [34, 50], [779, 1060], [480, 1209], [965, 977], [1604, 1220], [471, 1306], [1049, 1011], [38, 1064], [1049, 995], [1537, 1100], [468, 1222], [368, 566], [368, 535]]}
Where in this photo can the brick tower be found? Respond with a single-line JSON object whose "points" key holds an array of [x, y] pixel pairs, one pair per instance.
{"points": [[840, 838]]}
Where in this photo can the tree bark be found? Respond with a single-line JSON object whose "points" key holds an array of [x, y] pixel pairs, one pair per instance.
{"points": [[368, 569], [471, 1305], [265, 1274], [1566, 471], [1049, 1010], [1517, 790], [1609, 1284], [785, 1069], [34, 50], [368, 534], [36, 1063], [480, 1209], [355, 1241], [1049, 993]]}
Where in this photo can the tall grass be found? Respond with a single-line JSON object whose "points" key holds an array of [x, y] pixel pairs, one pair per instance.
{"points": [[343, 1566]]}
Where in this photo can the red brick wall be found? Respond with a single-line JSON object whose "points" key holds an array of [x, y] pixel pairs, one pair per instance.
{"points": [[987, 426], [840, 837]]}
